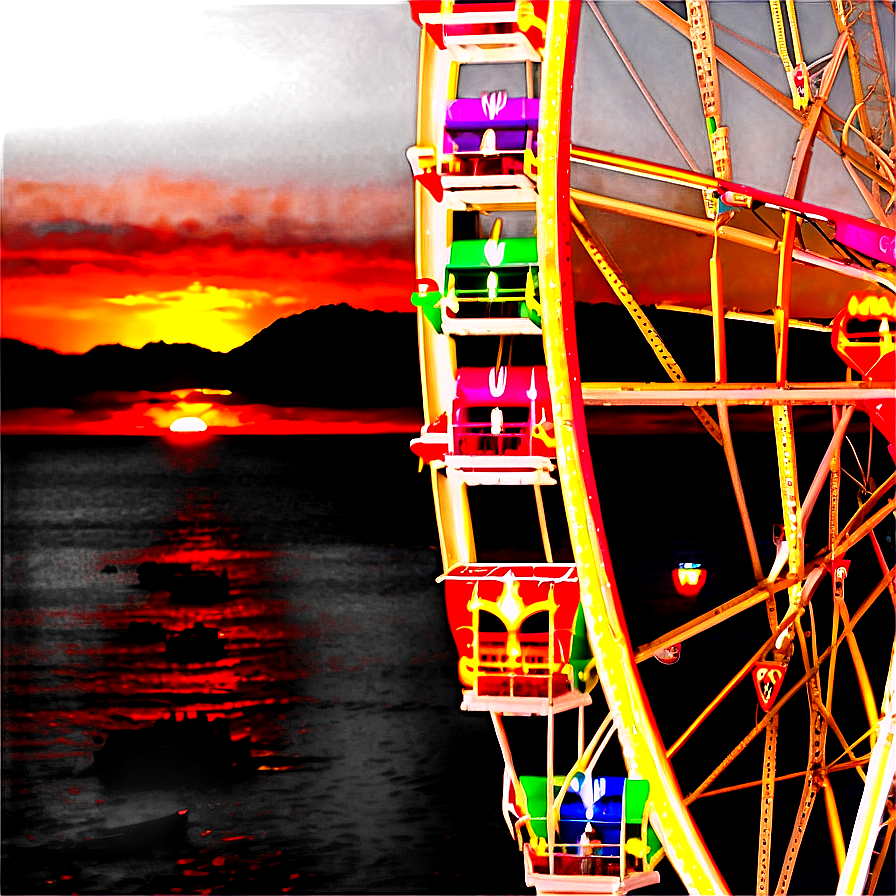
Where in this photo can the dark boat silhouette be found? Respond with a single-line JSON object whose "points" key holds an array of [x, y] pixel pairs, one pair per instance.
{"points": [[166, 833], [192, 752], [155, 576], [196, 645], [144, 633], [199, 587]]}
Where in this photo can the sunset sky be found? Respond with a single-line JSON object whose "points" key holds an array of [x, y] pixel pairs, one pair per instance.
{"points": [[185, 175], [191, 175]]}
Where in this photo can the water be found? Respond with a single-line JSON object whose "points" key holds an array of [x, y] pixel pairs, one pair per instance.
{"points": [[339, 668]]}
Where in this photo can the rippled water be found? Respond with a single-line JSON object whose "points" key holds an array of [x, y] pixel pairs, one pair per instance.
{"points": [[339, 668]]}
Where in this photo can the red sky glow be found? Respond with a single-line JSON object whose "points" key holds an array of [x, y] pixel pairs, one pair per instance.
{"points": [[152, 413], [236, 170], [228, 175]]}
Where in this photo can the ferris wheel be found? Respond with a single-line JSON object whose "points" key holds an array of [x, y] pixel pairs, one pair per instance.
{"points": [[576, 154]]}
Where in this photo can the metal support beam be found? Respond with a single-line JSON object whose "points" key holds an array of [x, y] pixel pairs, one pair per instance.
{"points": [[836, 831], [602, 258], [824, 468], [767, 808], [741, 237], [749, 315], [741, 71], [881, 771], [740, 497], [866, 604], [865, 688], [681, 26], [830, 769], [758, 594], [782, 300]]}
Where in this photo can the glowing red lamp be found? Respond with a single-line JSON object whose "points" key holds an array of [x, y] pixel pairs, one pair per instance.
{"points": [[689, 579]]}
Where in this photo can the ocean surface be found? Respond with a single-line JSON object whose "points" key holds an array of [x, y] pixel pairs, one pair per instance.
{"points": [[339, 669]]}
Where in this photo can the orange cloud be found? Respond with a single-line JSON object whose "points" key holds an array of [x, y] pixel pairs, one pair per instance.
{"points": [[215, 297], [149, 259]]}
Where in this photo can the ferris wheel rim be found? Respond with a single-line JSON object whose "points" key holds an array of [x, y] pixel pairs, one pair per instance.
{"points": [[454, 523]]}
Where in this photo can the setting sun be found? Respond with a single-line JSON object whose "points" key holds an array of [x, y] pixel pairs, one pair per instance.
{"points": [[188, 424]]}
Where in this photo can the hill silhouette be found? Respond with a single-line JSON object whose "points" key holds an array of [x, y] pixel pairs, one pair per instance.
{"points": [[344, 357], [334, 356]]}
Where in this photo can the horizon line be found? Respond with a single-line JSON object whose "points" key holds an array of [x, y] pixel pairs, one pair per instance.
{"points": [[45, 348]]}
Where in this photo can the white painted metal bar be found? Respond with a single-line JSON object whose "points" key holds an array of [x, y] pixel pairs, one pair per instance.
{"points": [[489, 326]]}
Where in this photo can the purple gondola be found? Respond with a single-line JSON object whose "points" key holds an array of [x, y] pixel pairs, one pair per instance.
{"points": [[493, 123]]}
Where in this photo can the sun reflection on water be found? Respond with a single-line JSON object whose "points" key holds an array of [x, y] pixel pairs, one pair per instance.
{"points": [[221, 412]]}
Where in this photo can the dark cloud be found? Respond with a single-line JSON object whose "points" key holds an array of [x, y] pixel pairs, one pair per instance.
{"points": [[94, 238], [72, 225], [154, 213], [36, 266]]}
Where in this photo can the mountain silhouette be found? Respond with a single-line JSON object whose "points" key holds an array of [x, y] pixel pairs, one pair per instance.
{"points": [[344, 357], [332, 356]]}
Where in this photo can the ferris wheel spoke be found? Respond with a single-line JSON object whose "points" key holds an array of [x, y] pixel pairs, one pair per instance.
{"points": [[811, 785], [452, 177], [711, 618], [847, 15], [876, 797], [744, 671], [736, 235], [859, 760], [681, 26], [759, 593], [817, 706], [667, 127], [867, 467], [859, 665], [856, 522], [782, 701], [611, 272], [815, 701], [874, 206], [739, 496], [767, 803], [744, 40], [785, 103], [824, 466], [847, 748], [876, 166], [828, 770], [796, 181]]}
